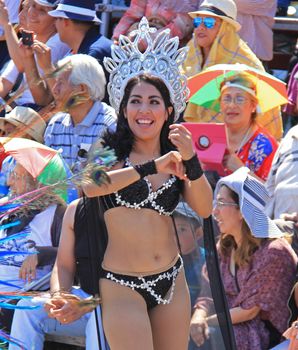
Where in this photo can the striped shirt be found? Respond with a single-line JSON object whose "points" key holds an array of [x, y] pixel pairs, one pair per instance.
{"points": [[62, 134]]}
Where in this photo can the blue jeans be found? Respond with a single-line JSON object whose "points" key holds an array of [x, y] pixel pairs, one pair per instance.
{"points": [[30, 326]]}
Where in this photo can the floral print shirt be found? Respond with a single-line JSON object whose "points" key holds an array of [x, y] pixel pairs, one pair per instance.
{"points": [[258, 152]]}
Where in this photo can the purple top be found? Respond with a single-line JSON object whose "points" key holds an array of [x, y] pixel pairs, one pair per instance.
{"points": [[292, 93], [265, 282]]}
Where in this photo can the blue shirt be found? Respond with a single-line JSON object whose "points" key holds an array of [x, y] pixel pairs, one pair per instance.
{"points": [[61, 133], [96, 45], [283, 3]]}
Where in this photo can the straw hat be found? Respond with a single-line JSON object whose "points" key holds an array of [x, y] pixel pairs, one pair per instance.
{"points": [[21, 116], [224, 9], [253, 197]]}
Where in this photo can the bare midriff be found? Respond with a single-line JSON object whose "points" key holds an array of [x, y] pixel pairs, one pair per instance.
{"points": [[140, 241]]}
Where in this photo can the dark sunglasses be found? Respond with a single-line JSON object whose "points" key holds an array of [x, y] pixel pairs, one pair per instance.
{"points": [[209, 22]]}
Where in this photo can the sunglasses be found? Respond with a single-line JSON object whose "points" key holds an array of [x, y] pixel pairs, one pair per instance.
{"points": [[209, 22]]}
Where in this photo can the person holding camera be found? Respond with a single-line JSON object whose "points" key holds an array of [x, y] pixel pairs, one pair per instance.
{"points": [[36, 26], [78, 27]]}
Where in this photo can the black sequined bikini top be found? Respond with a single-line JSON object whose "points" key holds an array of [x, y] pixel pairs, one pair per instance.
{"points": [[140, 195]]}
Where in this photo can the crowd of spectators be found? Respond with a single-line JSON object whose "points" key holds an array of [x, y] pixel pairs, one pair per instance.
{"points": [[53, 83]]}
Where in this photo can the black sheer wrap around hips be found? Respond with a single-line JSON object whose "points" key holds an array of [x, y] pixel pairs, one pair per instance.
{"points": [[91, 240]]}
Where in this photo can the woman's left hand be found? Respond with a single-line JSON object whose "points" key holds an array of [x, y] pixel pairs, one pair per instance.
{"points": [[171, 163], [182, 139], [28, 268], [232, 162]]}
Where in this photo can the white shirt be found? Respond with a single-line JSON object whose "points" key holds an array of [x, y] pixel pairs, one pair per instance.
{"points": [[39, 234], [10, 73], [13, 12]]}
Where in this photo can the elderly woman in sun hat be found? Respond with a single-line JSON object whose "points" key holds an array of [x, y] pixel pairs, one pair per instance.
{"points": [[20, 122], [257, 266], [215, 40], [250, 144]]}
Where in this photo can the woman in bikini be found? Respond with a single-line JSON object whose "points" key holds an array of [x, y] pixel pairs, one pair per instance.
{"points": [[145, 300]]}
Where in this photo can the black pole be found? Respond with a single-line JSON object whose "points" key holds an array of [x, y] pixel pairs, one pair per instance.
{"points": [[217, 289]]}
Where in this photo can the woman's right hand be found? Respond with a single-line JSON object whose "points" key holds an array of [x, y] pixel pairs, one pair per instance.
{"points": [[199, 330], [171, 163], [4, 19]]}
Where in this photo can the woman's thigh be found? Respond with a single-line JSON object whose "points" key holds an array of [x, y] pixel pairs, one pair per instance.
{"points": [[170, 323], [125, 318]]}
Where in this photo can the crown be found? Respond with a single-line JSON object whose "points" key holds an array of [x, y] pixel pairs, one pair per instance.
{"points": [[161, 58]]}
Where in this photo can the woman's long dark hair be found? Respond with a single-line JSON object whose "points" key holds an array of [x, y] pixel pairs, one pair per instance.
{"points": [[249, 243], [122, 140]]}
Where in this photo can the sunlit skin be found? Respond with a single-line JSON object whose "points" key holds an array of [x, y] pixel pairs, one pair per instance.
{"points": [[20, 181], [205, 37], [23, 14], [62, 86], [8, 128], [146, 112], [59, 24], [39, 20], [237, 116], [228, 217], [188, 235]]}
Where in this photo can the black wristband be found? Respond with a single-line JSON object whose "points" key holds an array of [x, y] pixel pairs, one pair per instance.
{"points": [[193, 168], [145, 169]]}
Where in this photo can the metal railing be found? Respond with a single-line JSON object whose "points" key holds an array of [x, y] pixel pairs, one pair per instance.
{"points": [[285, 24], [105, 9]]}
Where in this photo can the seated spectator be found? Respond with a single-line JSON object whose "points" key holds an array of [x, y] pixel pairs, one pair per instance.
{"points": [[23, 122], [20, 122], [43, 228], [257, 266], [291, 334], [79, 89], [216, 41], [12, 9], [250, 144], [34, 17], [160, 14], [77, 26], [61, 315], [291, 109], [257, 19], [190, 235], [283, 177]]}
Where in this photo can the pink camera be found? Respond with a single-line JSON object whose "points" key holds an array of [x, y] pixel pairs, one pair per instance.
{"points": [[211, 144]]}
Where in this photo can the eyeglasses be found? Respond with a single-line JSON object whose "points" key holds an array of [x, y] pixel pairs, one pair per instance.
{"points": [[221, 204], [238, 100], [209, 22]]}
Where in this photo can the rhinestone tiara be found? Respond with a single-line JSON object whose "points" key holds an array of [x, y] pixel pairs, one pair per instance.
{"points": [[161, 58]]}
